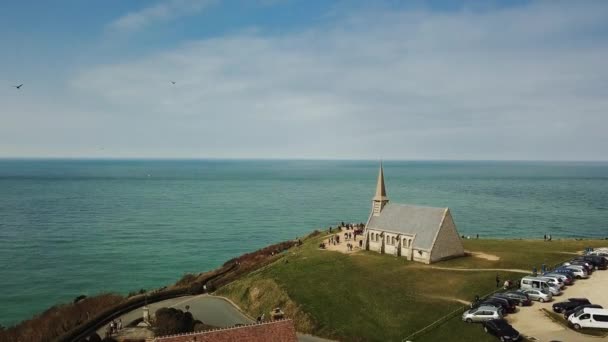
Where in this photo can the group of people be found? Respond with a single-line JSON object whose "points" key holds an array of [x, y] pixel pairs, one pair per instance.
{"points": [[349, 235], [333, 240], [548, 237], [114, 327]]}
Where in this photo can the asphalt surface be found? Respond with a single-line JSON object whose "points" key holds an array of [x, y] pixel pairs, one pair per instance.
{"points": [[212, 310], [532, 322]]}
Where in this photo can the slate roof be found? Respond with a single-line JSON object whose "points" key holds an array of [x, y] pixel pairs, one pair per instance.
{"points": [[274, 331], [424, 222]]}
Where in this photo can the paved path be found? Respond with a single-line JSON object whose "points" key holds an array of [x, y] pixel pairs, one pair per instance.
{"points": [[514, 270], [531, 321], [212, 310]]}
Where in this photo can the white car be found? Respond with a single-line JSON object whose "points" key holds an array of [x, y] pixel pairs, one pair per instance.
{"points": [[589, 318]]}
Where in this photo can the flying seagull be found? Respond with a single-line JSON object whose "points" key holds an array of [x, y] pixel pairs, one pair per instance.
{"points": [[19, 86], [172, 82]]}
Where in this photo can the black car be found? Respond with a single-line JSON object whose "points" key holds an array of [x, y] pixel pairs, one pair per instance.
{"points": [[572, 303], [501, 329], [512, 302], [567, 313], [596, 261], [520, 298], [497, 303]]}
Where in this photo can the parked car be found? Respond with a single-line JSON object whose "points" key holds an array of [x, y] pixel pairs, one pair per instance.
{"points": [[589, 318], [554, 281], [564, 270], [568, 313], [497, 303], [598, 262], [603, 253], [482, 313], [511, 305], [565, 277], [531, 282], [521, 298], [579, 271], [571, 303], [539, 295], [501, 329], [587, 266]]}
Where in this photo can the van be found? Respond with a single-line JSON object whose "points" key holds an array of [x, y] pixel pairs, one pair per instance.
{"points": [[589, 318], [536, 283]]}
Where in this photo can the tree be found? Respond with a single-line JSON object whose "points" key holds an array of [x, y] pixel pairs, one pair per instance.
{"points": [[173, 321]]}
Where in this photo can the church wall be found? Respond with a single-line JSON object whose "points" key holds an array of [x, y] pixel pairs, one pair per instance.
{"points": [[421, 256], [375, 246], [406, 253], [448, 243], [390, 243]]}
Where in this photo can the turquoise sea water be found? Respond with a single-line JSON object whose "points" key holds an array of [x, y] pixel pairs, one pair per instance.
{"points": [[71, 227]]}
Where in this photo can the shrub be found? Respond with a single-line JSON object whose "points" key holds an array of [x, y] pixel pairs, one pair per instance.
{"points": [[171, 321]]}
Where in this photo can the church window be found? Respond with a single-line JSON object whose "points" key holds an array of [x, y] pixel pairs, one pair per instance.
{"points": [[409, 243], [393, 240]]}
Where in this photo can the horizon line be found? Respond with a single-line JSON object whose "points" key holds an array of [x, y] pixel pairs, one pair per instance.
{"points": [[58, 158]]}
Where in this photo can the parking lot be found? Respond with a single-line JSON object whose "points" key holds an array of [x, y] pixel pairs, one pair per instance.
{"points": [[530, 321]]}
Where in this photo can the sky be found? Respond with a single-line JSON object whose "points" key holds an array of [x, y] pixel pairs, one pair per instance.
{"points": [[447, 80]]}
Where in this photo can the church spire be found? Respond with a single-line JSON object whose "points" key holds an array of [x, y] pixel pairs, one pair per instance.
{"points": [[380, 199]]}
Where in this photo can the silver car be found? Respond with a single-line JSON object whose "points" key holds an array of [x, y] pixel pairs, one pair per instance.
{"points": [[554, 281], [539, 295], [482, 313]]}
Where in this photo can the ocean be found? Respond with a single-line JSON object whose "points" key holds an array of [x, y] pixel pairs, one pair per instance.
{"points": [[72, 227]]}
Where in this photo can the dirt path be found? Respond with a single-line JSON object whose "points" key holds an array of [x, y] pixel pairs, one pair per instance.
{"points": [[451, 299], [482, 255]]}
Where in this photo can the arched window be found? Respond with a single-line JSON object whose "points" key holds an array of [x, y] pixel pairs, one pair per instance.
{"points": [[393, 240], [409, 243], [404, 242]]}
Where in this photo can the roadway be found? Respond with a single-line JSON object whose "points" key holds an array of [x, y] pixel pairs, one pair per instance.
{"points": [[211, 310]]}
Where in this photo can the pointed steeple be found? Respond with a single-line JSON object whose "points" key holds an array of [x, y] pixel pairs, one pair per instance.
{"points": [[380, 199], [380, 188]]}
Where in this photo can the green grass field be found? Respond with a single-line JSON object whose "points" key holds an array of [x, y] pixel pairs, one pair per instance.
{"points": [[371, 297]]}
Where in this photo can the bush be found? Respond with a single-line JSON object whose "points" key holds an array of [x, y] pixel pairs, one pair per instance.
{"points": [[171, 321], [59, 319], [187, 279], [79, 298]]}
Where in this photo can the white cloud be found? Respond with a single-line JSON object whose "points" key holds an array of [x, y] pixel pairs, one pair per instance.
{"points": [[162, 11], [525, 83]]}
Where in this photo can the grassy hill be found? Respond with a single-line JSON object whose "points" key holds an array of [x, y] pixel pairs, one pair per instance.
{"points": [[371, 297]]}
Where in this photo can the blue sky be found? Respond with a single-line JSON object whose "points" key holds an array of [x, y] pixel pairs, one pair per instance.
{"points": [[305, 79]]}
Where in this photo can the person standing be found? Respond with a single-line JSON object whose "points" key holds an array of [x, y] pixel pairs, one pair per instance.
{"points": [[497, 281]]}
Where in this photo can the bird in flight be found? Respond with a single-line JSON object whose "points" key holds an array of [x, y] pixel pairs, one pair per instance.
{"points": [[19, 86], [172, 82]]}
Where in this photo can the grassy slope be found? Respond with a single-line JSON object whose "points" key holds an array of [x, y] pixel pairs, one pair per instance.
{"points": [[375, 297]]}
